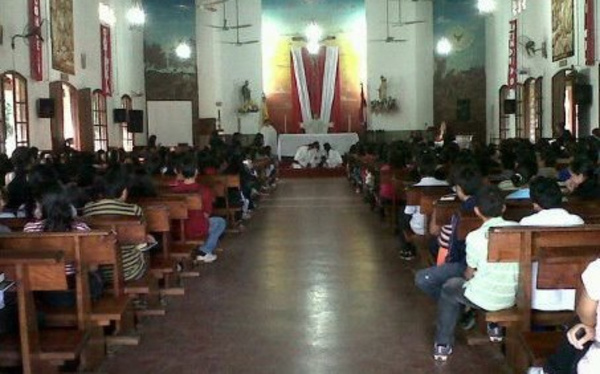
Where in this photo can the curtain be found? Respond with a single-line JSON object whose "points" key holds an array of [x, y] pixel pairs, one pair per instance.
{"points": [[329, 82], [301, 83]]}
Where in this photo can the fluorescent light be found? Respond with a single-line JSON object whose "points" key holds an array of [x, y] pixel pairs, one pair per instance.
{"points": [[486, 6], [183, 51], [443, 47]]}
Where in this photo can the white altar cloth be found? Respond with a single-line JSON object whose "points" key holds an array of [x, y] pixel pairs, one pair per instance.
{"points": [[289, 143]]}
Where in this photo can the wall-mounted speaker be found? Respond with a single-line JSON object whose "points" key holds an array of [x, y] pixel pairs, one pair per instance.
{"points": [[119, 115], [136, 121], [583, 94], [45, 108], [510, 106]]}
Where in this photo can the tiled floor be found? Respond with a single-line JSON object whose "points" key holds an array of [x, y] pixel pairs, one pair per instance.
{"points": [[313, 286]]}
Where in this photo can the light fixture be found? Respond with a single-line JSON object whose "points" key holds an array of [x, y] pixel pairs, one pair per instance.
{"points": [[136, 15], [443, 47], [106, 14], [486, 6], [183, 51], [313, 38]]}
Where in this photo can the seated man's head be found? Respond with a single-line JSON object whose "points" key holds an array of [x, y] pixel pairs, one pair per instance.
{"points": [[581, 169], [427, 164], [327, 147], [116, 184], [466, 179], [489, 202], [187, 168], [545, 193], [315, 145]]}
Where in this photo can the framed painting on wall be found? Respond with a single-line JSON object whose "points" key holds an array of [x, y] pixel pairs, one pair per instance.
{"points": [[563, 40], [63, 42]]}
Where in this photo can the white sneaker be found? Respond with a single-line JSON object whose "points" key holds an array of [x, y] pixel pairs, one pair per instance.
{"points": [[535, 370], [208, 258]]}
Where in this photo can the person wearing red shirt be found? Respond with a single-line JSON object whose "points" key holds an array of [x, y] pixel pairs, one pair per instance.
{"points": [[199, 223]]}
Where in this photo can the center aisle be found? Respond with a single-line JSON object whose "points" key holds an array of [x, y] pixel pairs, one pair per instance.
{"points": [[313, 286]]}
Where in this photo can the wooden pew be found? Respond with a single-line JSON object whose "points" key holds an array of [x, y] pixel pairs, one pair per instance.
{"points": [[220, 185], [562, 253], [86, 250], [37, 351]]}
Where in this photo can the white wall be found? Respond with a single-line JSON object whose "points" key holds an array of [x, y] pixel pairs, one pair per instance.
{"points": [[536, 23], [127, 59], [407, 66]]}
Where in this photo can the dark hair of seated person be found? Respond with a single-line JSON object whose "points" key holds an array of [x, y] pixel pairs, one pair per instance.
{"points": [[57, 211], [489, 201], [187, 168], [114, 183], [545, 192], [427, 164], [467, 177], [582, 166], [523, 174]]}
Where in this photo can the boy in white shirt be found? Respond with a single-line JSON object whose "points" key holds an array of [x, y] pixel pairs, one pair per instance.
{"points": [[547, 203]]}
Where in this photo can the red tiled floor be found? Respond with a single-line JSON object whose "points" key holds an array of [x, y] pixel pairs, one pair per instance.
{"points": [[313, 286]]}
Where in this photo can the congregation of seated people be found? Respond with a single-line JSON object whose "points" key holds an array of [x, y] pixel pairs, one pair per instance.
{"points": [[48, 192], [547, 177]]}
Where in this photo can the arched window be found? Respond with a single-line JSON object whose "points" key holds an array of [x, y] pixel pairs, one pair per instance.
{"points": [[520, 112], [14, 120], [100, 121], [503, 117], [126, 136], [564, 109]]}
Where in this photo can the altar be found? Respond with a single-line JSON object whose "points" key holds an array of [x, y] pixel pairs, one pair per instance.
{"points": [[289, 143]]}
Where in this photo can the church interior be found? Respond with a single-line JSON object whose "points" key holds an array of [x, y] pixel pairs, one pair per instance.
{"points": [[350, 163]]}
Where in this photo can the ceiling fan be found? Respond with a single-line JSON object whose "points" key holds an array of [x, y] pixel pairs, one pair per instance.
{"points": [[388, 38], [400, 22], [225, 26], [238, 42]]}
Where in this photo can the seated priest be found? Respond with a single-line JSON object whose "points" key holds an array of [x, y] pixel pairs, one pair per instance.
{"points": [[307, 156], [331, 158]]}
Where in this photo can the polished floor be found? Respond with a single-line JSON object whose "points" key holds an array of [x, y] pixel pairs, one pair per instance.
{"points": [[313, 286]]}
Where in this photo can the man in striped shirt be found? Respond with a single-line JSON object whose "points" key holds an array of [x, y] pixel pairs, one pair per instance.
{"points": [[113, 203]]}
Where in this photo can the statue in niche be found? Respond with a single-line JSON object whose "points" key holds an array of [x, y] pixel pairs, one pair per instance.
{"points": [[248, 106], [382, 89]]}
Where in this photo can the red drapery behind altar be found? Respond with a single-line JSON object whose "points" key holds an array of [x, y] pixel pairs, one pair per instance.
{"points": [[314, 67]]}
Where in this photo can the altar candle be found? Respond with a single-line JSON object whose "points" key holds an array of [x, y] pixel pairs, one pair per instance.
{"points": [[349, 123], [285, 124]]}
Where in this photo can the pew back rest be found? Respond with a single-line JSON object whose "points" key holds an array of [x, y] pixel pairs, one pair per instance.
{"points": [[130, 230]]}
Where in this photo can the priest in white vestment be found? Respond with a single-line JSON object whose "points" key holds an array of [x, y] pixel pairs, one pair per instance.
{"points": [[333, 159], [269, 135], [307, 156]]}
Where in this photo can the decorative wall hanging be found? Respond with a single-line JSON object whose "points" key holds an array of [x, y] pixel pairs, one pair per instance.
{"points": [[63, 42], [563, 40]]}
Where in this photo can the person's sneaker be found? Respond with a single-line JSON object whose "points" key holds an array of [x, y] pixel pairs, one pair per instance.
{"points": [[206, 257], [495, 332], [441, 352], [536, 370], [408, 252], [467, 320]]}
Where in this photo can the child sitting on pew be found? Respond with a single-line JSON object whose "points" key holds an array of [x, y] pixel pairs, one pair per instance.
{"points": [[547, 204], [413, 220], [580, 352], [487, 286], [467, 180], [199, 223]]}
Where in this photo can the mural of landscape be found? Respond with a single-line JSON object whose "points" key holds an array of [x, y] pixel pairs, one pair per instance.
{"points": [[459, 81], [167, 76], [343, 19]]}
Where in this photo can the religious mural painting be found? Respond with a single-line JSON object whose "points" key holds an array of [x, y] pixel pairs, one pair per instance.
{"points": [[343, 25], [459, 80], [169, 76], [63, 40], [563, 41]]}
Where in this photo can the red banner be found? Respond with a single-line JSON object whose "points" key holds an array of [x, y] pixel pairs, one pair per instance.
{"points": [[512, 55], [106, 57], [590, 30], [35, 41]]}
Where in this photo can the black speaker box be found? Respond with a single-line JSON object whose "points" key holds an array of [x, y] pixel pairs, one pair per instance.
{"points": [[119, 115], [510, 106], [136, 121], [583, 94], [45, 108]]}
